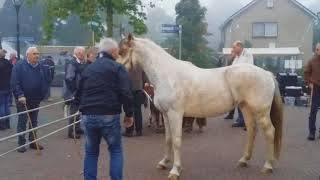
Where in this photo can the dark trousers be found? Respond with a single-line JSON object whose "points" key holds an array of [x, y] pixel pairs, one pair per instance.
{"points": [[74, 109], [314, 109], [4, 109], [23, 120], [48, 95], [137, 114]]}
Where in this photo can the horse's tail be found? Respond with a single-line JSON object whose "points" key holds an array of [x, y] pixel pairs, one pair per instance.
{"points": [[276, 116]]}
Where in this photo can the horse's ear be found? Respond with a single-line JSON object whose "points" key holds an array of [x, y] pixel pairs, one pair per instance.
{"points": [[130, 37]]}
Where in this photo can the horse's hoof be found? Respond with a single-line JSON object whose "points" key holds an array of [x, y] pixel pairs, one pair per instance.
{"points": [[161, 167], [267, 171], [242, 164], [173, 177]]}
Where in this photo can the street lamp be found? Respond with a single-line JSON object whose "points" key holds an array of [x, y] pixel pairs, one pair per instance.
{"points": [[17, 4], [318, 26]]}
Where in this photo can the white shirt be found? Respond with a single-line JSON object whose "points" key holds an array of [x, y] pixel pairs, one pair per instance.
{"points": [[245, 57]]}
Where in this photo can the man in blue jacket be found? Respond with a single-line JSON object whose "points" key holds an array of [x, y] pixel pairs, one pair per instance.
{"points": [[30, 83], [104, 88]]}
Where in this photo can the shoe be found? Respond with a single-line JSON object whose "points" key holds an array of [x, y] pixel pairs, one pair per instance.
{"points": [[311, 137], [71, 136], [237, 125], [126, 134], [21, 150], [34, 146], [228, 117], [245, 129], [138, 134]]}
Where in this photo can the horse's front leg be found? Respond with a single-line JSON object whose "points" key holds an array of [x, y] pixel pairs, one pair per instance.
{"points": [[164, 163], [175, 125]]}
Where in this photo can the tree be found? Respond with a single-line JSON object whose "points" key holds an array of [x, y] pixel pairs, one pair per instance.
{"points": [[94, 12], [194, 31], [156, 17]]}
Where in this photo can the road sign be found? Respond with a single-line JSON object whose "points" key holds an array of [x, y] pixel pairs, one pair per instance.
{"points": [[174, 29], [170, 28]]}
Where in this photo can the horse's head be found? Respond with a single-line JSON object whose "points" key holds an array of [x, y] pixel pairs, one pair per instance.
{"points": [[126, 52]]}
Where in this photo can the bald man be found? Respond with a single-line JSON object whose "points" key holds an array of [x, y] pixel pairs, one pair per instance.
{"points": [[73, 69], [241, 56], [30, 82]]}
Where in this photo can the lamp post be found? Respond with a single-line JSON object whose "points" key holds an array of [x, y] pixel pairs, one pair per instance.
{"points": [[318, 27], [17, 4]]}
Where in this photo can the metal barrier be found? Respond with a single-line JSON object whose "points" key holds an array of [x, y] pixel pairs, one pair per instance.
{"points": [[36, 140], [35, 109], [39, 127], [36, 128]]}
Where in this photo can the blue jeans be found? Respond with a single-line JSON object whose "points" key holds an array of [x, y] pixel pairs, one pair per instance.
{"points": [[240, 119], [106, 127], [4, 109]]}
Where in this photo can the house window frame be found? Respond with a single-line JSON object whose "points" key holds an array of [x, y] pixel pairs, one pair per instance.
{"points": [[264, 36]]}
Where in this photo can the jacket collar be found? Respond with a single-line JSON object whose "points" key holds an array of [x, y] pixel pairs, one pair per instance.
{"points": [[104, 54]]}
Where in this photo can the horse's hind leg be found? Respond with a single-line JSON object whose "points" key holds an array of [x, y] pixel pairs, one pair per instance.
{"points": [[163, 164], [268, 130], [251, 130]]}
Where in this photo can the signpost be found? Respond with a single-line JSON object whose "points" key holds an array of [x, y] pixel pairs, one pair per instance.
{"points": [[173, 29]]}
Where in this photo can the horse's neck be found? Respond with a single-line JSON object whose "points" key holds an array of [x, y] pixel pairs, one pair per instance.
{"points": [[155, 63]]}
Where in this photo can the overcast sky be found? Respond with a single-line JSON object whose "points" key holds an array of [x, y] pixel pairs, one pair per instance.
{"points": [[169, 5], [219, 10]]}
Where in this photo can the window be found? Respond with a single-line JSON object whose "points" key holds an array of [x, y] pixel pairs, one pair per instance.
{"points": [[270, 4], [265, 30]]}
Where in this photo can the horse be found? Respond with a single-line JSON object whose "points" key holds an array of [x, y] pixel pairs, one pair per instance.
{"points": [[156, 115], [184, 89]]}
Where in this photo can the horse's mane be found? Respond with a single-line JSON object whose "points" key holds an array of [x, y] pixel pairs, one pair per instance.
{"points": [[153, 46]]}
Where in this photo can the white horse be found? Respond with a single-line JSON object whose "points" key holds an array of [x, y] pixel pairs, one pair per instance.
{"points": [[183, 89]]}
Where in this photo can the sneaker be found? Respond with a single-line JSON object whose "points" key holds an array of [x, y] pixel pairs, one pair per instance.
{"points": [[71, 136], [311, 137], [21, 150], [34, 146]]}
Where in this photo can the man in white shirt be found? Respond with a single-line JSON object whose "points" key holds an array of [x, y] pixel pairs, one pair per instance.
{"points": [[242, 56]]}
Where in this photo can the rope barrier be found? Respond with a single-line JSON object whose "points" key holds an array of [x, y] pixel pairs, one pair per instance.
{"points": [[36, 128], [35, 109], [148, 96], [36, 140]]}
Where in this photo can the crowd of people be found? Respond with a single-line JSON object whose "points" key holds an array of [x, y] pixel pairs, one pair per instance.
{"points": [[99, 87]]}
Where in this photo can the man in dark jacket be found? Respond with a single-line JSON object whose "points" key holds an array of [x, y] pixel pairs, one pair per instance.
{"points": [[138, 79], [5, 74], [104, 88], [30, 84], [312, 78], [73, 69]]}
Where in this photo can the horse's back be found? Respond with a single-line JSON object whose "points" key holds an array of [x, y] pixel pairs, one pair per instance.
{"points": [[251, 84]]}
